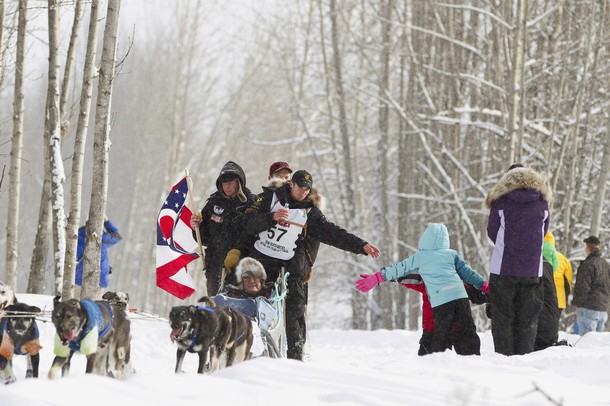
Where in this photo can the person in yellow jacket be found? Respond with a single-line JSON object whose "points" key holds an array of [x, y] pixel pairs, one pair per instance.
{"points": [[562, 275]]}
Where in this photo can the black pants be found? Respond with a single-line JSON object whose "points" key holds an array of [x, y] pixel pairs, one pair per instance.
{"points": [[425, 343], [547, 332], [453, 323], [516, 305], [296, 305]]}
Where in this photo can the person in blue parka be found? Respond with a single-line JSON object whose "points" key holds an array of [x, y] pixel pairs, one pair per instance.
{"points": [[444, 273], [110, 236]]}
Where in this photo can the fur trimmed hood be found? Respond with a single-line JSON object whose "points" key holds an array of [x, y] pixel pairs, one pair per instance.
{"points": [[250, 266], [520, 178]]}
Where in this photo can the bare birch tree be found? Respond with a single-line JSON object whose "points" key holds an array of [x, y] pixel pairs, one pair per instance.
{"points": [[515, 125], [602, 182], [12, 224], [53, 134], [382, 234], [2, 14], [101, 145], [76, 183], [69, 69]]}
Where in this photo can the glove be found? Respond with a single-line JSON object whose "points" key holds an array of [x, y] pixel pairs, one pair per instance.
{"points": [[485, 288], [232, 259], [368, 281]]}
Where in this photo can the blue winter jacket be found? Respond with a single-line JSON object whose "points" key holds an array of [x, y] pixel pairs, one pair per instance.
{"points": [[110, 237], [442, 269]]}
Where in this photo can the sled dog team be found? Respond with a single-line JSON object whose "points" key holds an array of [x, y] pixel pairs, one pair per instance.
{"points": [[100, 330]]}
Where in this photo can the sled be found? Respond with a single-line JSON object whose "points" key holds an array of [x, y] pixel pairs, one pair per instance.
{"points": [[268, 313]]}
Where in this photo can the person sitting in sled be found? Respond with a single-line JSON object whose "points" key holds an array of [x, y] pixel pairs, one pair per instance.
{"points": [[251, 280], [444, 272]]}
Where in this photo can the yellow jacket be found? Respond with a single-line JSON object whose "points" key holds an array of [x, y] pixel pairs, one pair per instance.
{"points": [[562, 275]]}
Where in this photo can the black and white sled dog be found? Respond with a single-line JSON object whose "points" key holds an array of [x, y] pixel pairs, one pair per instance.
{"points": [[100, 330], [119, 299], [7, 296], [19, 336], [220, 333]]}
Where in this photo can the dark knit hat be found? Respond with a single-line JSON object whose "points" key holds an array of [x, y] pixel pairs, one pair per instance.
{"points": [[592, 240], [302, 178]]}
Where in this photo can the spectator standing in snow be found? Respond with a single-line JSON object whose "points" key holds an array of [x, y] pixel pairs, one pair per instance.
{"points": [[518, 220], [110, 236], [562, 275], [220, 222], [281, 221], [444, 272], [592, 289]]}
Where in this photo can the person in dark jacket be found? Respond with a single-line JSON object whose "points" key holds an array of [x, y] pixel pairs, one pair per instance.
{"points": [[110, 236], [220, 222], [518, 220], [283, 221], [592, 289]]}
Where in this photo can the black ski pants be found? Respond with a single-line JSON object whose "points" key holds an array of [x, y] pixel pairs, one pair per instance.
{"points": [[516, 304]]}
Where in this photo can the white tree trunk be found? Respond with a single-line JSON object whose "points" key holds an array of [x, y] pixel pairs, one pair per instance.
{"points": [[600, 191], [515, 127], [101, 145], [65, 86], [76, 184], [53, 134], [12, 224]]}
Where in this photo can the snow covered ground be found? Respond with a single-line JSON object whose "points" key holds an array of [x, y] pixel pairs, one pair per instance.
{"points": [[345, 368]]}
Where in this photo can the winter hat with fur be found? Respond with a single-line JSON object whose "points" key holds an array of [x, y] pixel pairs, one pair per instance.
{"points": [[250, 267]]}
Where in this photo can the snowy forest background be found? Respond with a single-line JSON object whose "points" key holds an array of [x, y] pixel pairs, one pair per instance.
{"points": [[405, 111]]}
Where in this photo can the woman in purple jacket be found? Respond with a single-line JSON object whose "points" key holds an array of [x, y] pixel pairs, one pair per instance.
{"points": [[518, 220]]}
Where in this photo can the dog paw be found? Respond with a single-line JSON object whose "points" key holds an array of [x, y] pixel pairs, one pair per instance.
{"points": [[29, 373], [10, 380]]}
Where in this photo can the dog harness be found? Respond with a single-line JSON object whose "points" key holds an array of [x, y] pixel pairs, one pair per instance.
{"points": [[7, 349], [207, 309], [92, 333]]}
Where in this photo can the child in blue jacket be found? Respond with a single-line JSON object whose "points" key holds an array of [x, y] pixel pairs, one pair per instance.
{"points": [[444, 273]]}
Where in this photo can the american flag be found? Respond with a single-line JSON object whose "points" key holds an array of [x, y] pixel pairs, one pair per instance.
{"points": [[176, 247]]}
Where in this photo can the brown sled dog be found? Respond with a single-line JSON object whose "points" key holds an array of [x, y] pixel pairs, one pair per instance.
{"points": [[98, 329], [221, 333]]}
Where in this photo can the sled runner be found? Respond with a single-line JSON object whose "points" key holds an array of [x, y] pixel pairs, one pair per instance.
{"points": [[268, 313]]}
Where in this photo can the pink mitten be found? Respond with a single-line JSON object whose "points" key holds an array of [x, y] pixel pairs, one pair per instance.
{"points": [[368, 281], [485, 288]]}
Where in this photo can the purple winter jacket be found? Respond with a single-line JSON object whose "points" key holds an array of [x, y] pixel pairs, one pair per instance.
{"points": [[518, 221]]}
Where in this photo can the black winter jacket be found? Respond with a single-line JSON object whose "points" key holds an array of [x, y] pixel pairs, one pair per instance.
{"points": [[318, 227], [592, 286], [222, 217]]}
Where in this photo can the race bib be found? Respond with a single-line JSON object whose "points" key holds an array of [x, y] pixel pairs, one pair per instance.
{"points": [[280, 240]]}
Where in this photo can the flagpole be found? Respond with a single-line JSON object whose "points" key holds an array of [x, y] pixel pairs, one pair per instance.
{"points": [[189, 184]]}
